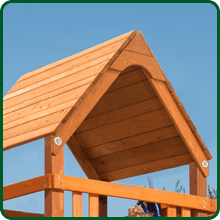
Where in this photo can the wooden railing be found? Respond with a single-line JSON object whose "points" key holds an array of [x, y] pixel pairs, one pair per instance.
{"points": [[170, 200]]}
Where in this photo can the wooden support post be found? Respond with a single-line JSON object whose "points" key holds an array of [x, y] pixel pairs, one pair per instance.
{"points": [[54, 198], [185, 212], [93, 205], [171, 211], [76, 204], [103, 206], [197, 187]]}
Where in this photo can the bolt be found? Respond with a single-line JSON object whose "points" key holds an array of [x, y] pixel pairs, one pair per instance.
{"points": [[60, 184], [204, 201], [204, 207], [58, 141], [44, 179], [60, 177], [205, 163], [44, 185]]}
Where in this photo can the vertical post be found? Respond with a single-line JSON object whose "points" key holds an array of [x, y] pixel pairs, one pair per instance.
{"points": [[197, 187], [103, 206], [93, 205], [54, 199], [76, 204], [185, 212], [171, 211]]}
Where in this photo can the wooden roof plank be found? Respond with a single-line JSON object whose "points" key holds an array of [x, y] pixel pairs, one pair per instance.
{"points": [[57, 63], [180, 123], [150, 167], [125, 128], [140, 154], [82, 158], [28, 137], [67, 79], [131, 142], [33, 85]]}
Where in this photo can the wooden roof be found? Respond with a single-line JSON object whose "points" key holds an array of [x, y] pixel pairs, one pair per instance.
{"points": [[113, 106]]}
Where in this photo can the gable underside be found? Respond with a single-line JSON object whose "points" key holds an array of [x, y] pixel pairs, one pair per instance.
{"points": [[129, 133], [41, 99]]}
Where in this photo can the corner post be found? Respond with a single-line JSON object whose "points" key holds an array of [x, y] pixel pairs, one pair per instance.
{"points": [[197, 187], [54, 199]]}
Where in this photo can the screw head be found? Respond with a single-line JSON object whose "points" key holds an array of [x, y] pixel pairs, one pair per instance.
{"points": [[57, 141], [60, 184], [204, 207], [205, 163], [60, 177], [44, 185]]}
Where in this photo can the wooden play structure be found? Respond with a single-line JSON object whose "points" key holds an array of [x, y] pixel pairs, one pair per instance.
{"points": [[119, 115]]}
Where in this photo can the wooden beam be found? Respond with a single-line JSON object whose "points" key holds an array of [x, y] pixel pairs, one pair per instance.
{"points": [[129, 58], [26, 187], [103, 211], [180, 124], [54, 198], [82, 158], [133, 192], [171, 211], [12, 213], [82, 108], [76, 204], [185, 212], [93, 205], [198, 186]]}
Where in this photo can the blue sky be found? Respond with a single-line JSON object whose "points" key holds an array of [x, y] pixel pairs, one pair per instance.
{"points": [[183, 38]]}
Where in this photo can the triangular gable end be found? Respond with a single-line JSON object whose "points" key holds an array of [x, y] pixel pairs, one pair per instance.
{"points": [[134, 59]]}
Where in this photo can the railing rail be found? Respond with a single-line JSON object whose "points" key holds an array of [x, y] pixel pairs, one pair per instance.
{"points": [[95, 188]]}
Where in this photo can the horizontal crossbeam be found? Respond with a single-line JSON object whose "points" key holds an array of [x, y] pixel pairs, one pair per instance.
{"points": [[27, 187], [133, 192]]}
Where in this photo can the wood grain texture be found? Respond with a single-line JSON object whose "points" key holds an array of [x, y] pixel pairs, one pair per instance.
{"points": [[76, 204], [123, 97], [125, 128], [138, 155], [185, 212], [131, 142], [171, 211], [66, 79], [46, 104], [133, 192], [150, 167], [181, 124], [88, 101], [138, 45], [54, 198], [93, 205], [82, 158], [128, 58], [35, 124], [37, 71], [120, 114], [28, 137], [26, 187]]}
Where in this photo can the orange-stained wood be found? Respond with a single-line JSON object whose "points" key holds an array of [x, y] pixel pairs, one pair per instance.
{"points": [[81, 157], [180, 124], [85, 52], [27, 137], [185, 212], [147, 167], [138, 45], [76, 204], [88, 101], [93, 205], [171, 211], [27, 187], [128, 58], [198, 186], [54, 198], [12, 213], [132, 192]]}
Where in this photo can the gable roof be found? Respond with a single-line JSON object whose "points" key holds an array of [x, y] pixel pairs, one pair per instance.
{"points": [[103, 102]]}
